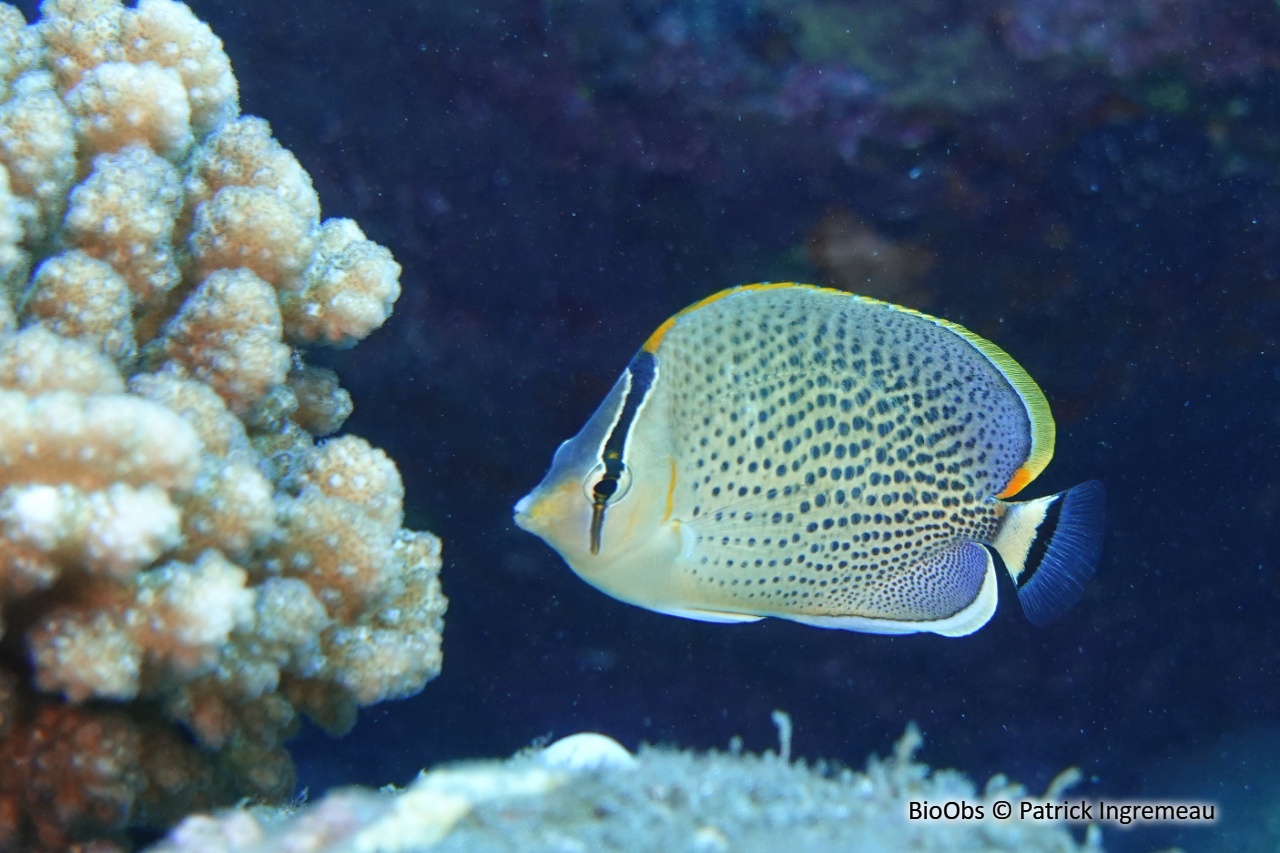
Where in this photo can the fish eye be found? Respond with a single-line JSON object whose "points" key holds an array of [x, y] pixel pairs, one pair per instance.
{"points": [[603, 486]]}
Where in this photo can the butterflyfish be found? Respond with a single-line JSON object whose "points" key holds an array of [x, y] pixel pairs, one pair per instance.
{"points": [[804, 453]]}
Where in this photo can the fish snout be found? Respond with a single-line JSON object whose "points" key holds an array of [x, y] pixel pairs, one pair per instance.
{"points": [[522, 509]]}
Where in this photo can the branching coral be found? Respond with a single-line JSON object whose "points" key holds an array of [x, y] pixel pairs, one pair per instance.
{"points": [[173, 540]]}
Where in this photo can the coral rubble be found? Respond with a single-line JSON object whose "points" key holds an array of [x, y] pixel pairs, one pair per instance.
{"points": [[664, 800], [175, 545]]}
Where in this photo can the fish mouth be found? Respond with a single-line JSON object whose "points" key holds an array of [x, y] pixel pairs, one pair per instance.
{"points": [[522, 508]]}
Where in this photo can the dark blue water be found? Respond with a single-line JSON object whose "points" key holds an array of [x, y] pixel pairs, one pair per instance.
{"points": [[557, 178]]}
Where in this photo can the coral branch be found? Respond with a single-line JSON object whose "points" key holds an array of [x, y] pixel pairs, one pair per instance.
{"points": [[172, 537]]}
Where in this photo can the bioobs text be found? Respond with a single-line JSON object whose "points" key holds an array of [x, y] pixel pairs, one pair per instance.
{"points": [[950, 810]]}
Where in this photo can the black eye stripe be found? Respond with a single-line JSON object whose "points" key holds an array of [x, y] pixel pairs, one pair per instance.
{"points": [[643, 370]]}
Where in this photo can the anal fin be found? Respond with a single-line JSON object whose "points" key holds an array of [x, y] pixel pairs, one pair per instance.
{"points": [[701, 615]]}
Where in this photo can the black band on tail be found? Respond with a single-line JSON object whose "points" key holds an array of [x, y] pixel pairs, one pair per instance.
{"points": [[1064, 555]]}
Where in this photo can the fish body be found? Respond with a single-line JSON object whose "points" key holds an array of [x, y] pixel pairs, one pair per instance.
{"points": [[803, 453]]}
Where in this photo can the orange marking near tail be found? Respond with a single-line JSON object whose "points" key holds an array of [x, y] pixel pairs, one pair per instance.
{"points": [[1019, 479]]}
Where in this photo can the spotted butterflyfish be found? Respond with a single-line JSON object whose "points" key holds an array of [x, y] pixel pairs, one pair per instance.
{"points": [[804, 453]]}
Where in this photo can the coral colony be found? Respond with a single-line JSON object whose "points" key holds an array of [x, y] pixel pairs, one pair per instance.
{"points": [[175, 539]]}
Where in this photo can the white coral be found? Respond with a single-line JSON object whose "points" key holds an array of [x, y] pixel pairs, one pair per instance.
{"points": [[118, 530], [169, 530]]}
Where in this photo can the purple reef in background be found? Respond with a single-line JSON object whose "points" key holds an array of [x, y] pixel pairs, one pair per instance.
{"points": [[713, 91], [921, 119]]}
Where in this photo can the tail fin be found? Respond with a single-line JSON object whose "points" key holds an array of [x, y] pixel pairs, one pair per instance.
{"points": [[1051, 547]]}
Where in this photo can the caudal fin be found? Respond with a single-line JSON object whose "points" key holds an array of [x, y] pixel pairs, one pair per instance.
{"points": [[1051, 547]]}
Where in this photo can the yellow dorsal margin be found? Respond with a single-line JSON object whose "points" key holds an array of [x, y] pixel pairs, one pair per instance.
{"points": [[655, 340], [1043, 430]]}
